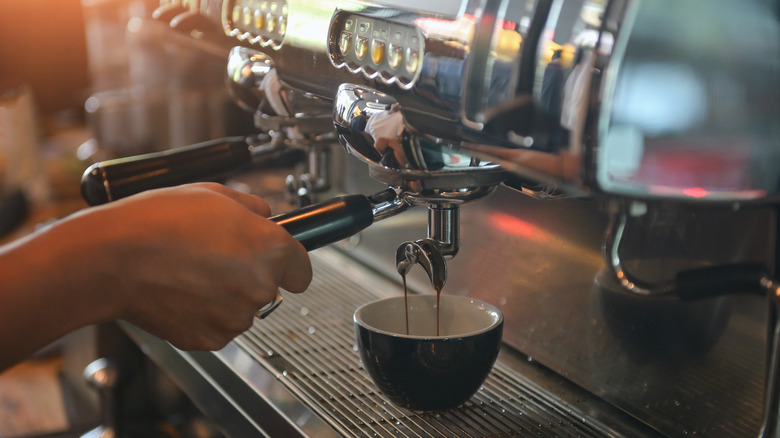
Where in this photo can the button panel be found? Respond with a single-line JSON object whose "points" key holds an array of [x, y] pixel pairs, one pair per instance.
{"points": [[378, 48], [261, 22]]}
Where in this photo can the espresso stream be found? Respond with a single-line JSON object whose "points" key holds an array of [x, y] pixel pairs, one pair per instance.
{"points": [[406, 306]]}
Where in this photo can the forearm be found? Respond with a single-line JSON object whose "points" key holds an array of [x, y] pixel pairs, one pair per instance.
{"points": [[46, 291], [190, 265]]}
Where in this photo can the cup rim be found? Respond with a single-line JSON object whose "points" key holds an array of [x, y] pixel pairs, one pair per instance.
{"points": [[358, 320]]}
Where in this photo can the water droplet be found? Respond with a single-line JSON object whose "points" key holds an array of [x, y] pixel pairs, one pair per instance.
{"points": [[304, 311], [312, 330]]}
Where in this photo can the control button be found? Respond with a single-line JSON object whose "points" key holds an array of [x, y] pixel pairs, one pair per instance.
{"points": [[236, 15], [395, 56], [361, 47], [345, 43], [264, 6], [377, 51], [412, 61], [259, 19], [274, 7], [271, 22], [348, 24], [284, 10], [364, 26], [248, 17], [282, 26]]}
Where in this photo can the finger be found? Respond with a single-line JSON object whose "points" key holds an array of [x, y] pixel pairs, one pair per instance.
{"points": [[398, 152], [297, 274], [381, 144], [284, 258], [254, 203]]}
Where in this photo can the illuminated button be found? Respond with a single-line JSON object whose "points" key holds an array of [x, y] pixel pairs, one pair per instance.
{"points": [[236, 16], [361, 47], [412, 61], [248, 17], [348, 24], [259, 20], [274, 7], [271, 23], [282, 25], [364, 26], [264, 6], [395, 56], [284, 10], [377, 51], [345, 43]]}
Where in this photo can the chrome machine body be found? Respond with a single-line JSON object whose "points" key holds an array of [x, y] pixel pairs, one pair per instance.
{"points": [[605, 170]]}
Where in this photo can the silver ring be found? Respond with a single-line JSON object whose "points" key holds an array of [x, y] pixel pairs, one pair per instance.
{"points": [[270, 307]]}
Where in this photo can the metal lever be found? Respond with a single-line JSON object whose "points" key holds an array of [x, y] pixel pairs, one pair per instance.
{"points": [[423, 252], [110, 180]]}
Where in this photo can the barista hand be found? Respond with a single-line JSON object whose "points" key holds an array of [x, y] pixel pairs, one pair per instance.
{"points": [[386, 129], [190, 264]]}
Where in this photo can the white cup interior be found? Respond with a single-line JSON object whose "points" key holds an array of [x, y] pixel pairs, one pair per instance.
{"points": [[459, 316]]}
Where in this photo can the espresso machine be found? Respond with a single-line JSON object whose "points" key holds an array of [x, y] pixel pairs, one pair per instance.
{"points": [[603, 171]]}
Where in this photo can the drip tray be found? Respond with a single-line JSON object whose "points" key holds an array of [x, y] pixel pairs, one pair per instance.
{"points": [[308, 344]]}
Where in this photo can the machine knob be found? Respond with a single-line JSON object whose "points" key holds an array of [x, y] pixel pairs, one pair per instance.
{"points": [[103, 375]]}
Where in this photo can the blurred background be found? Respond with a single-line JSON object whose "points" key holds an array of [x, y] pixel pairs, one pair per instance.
{"points": [[81, 81]]}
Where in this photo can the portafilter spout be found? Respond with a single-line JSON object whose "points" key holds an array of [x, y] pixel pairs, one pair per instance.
{"points": [[423, 252]]}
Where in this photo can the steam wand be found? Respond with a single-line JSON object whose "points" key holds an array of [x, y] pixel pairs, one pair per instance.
{"points": [[707, 282]]}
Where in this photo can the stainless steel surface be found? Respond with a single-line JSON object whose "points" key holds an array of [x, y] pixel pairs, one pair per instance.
{"points": [[246, 70]]}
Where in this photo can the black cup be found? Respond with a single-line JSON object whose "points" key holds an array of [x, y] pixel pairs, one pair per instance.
{"points": [[420, 370]]}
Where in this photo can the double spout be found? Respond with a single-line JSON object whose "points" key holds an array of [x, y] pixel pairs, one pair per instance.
{"points": [[431, 253], [426, 253]]}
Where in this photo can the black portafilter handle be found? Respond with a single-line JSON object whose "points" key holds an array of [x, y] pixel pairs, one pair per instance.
{"points": [[329, 221], [314, 226], [119, 178]]}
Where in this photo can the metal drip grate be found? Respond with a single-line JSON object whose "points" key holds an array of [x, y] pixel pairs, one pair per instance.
{"points": [[308, 343]]}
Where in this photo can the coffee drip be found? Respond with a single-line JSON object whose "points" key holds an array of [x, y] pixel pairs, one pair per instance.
{"points": [[427, 254], [406, 305]]}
